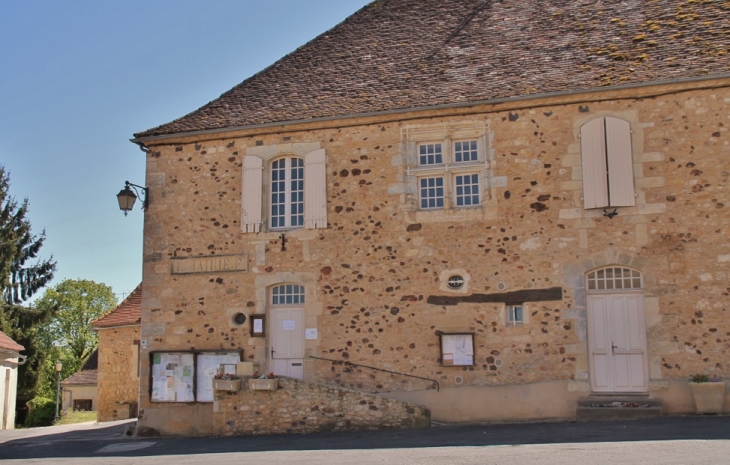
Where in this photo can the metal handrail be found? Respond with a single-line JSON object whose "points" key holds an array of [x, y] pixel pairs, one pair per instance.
{"points": [[345, 362]]}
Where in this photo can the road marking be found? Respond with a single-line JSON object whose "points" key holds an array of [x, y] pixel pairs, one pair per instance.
{"points": [[124, 447]]}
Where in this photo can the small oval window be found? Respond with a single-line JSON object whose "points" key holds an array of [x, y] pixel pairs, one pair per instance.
{"points": [[456, 282]]}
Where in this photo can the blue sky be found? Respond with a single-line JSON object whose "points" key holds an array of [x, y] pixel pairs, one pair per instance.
{"points": [[78, 78]]}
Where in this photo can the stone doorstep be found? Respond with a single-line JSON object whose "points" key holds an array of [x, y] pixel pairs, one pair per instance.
{"points": [[596, 407]]}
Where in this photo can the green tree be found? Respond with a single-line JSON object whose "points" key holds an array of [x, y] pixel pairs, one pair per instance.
{"points": [[22, 274], [68, 336]]}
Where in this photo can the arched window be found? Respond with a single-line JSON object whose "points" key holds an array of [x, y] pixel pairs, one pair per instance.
{"points": [[614, 278], [287, 294], [297, 193], [287, 193]]}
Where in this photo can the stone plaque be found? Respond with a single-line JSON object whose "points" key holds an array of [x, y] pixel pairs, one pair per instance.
{"points": [[214, 264]]}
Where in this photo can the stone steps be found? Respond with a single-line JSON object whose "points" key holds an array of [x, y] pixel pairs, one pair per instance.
{"points": [[618, 407]]}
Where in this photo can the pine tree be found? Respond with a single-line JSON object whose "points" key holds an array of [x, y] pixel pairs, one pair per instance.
{"points": [[22, 274]]}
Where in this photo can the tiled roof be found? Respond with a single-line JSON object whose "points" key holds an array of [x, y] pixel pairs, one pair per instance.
{"points": [[129, 312], [82, 377], [8, 344], [400, 54], [87, 374]]}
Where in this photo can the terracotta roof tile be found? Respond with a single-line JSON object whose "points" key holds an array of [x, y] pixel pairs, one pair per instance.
{"points": [[400, 54], [87, 374], [8, 344], [82, 377], [129, 312]]}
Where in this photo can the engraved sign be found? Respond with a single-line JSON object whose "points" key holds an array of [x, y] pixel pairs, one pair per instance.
{"points": [[209, 264]]}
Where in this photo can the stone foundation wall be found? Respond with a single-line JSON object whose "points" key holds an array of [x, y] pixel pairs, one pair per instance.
{"points": [[301, 407], [118, 377]]}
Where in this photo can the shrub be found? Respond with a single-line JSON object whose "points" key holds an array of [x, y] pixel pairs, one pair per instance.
{"points": [[42, 412]]}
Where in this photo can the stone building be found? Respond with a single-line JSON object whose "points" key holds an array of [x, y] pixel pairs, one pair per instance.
{"points": [[10, 358], [505, 206], [80, 390], [118, 370]]}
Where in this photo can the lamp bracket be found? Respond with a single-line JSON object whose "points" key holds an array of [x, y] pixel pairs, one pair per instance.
{"points": [[144, 196]]}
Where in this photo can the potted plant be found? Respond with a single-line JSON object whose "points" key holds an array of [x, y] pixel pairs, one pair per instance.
{"points": [[708, 393], [226, 382], [263, 383]]}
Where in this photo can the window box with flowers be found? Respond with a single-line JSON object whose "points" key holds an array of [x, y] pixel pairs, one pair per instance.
{"points": [[263, 383], [226, 382], [708, 393]]}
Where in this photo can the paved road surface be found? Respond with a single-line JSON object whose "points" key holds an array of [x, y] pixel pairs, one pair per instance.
{"points": [[666, 440]]}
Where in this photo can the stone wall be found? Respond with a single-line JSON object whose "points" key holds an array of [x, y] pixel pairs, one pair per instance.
{"points": [[301, 407], [118, 377], [368, 277]]}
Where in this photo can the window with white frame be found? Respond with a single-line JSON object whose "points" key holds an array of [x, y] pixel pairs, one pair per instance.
{"points": [[287, 294], [448, 174], [515, 315], [608, 167], [295, 197], [287, 193]]}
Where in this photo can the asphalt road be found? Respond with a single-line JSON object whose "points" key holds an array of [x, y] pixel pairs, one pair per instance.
{"points": [[665, 440]]}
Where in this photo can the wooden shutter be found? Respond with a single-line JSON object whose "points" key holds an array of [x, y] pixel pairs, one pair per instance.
{"points": [[315, 190], [620, 163], [595, 173], [253, 169]]}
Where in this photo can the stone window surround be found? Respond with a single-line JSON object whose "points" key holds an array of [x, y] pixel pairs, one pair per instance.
{"points": [[585, 219], [447, 136], [446, 133], [313, 307], [268, 154]]}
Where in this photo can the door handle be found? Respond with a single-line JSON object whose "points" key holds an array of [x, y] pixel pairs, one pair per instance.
{"points": [[272, 352], [613, 348]]}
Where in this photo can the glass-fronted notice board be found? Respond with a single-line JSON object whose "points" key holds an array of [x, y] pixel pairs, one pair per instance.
{"points": [[173, 375]]}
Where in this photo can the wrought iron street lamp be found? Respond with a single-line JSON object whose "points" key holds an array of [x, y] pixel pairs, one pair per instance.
{"points": [[127, 196]]}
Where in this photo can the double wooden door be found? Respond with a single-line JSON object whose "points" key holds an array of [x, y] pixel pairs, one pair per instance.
{"points": [[617, 342]]}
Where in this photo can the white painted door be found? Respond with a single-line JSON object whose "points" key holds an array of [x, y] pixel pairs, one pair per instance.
{"points": [[617, 342], [286, 349]]}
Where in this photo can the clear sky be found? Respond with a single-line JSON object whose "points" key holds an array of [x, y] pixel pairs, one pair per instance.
{"points": [[78, 78]]}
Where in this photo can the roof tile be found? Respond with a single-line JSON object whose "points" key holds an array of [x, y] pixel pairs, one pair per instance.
{"points": [[401, 54], [8, 344], [129, 312]]}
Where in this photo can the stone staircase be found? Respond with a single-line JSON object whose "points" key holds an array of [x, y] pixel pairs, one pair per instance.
{"points": [[618, 407]]}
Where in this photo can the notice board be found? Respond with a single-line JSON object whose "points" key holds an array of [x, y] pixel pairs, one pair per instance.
{"points": [[173, 377], [457, 349], [208, 365]]}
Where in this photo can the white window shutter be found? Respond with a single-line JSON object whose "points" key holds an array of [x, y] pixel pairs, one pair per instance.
{"points": [[315, 190], [253, 169], [595, 174], [620, 163]]}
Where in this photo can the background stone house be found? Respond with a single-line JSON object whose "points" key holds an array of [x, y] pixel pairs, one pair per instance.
{"points": [[118, 372], [518, 204], [9, 358], [80, 390]]}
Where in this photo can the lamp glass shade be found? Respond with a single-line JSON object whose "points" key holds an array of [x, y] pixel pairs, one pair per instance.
{"points": [[126, 199], [59, 366]]}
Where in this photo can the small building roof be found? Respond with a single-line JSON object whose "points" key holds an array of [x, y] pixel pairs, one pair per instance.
{"points": [[129, 312], [8, 344], [395, 55], [88, 373]]}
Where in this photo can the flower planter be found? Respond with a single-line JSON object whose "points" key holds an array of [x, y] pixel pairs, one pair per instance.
{"points": [[708, 396], [263, 384], [232, 385]]}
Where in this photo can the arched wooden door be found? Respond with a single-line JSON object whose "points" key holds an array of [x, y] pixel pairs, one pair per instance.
{"points": [[286, 321], [617, 331]]}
